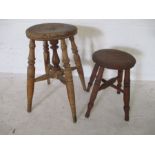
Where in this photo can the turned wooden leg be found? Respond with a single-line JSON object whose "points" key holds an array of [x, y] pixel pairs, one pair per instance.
{"points": [[55, 58], [127, 94], [78, 62], [119, 81], [94, 91], [46, 59], [30, 75], [93, 75], [69, 79]]}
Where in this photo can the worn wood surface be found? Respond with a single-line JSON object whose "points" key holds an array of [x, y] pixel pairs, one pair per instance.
{"points": [[92, 77], [69, 79], [55, 57], [119, 81], [78, 62], [108, 83], [127, 94], [95, 90], [112, 59], [30, 74], [51, 31], [46, 59]]}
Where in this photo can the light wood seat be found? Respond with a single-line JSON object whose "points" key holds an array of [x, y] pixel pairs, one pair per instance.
{"points": [[50, 31], [53, 34]]}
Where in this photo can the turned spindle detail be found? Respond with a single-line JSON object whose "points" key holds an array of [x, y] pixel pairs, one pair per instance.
{"points": [[78, 62], [30, 74], [51, 34], [127, 94], [55, 58], [68, 78], [119, 81], [46, 59], [116, 60]]}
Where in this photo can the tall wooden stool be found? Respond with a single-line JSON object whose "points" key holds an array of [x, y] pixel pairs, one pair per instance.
{"points": [[111, 59], [53, 33]]}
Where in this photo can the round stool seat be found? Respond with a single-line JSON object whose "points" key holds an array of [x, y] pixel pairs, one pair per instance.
{"points": [[114, 59], [51, 31]]}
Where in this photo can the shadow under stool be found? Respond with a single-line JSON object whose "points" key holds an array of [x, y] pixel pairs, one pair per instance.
{"points": [[116, 60], [53, 33]]}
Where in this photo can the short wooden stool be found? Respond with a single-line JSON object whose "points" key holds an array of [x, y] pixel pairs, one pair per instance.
{"points": [[53, 33], [111, 59]]}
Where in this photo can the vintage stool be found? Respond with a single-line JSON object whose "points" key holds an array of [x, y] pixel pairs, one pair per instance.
{"points": [[53, 33], [111, 59]]}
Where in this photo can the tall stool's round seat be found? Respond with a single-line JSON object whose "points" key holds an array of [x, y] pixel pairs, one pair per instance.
{"points": [[50, 31], [53, 34], [111, 59]]}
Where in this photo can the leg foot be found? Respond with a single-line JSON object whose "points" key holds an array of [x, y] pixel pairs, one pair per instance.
{"points": [[68, 79], [94, 91], [74, 119], [29, 108], [87, 114], [30, 75], [127, 94]]}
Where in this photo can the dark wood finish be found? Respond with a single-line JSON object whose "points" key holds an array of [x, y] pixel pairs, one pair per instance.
{"points": [[127, 94], [112, 59], [113, 86], [95, 91], [108, 83], [53, 33], [30, 75], [92, 78], [119, 81], [46, 59]]}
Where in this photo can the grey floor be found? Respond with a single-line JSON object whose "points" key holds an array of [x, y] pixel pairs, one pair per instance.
{"points": [[51, 112]]}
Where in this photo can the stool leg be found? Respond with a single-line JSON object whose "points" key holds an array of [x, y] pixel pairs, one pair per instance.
{"points": [[94, 91], [119, 80], [93, 75], [127, 94], [78, 62], [55, 58], [30, 75], [69, 79], [46, 59]]}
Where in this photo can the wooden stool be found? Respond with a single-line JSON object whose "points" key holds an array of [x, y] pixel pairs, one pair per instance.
{"points": [[53, 33], [111, 59]]}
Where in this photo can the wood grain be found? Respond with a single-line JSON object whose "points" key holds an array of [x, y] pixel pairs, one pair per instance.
{"points": [[30, 75], [78, 62], [46, 59], [69, 79], [94, 91]]}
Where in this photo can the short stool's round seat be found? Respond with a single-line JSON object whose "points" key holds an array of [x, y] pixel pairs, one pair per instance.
{"points": [[113, 59], [51, 31]]}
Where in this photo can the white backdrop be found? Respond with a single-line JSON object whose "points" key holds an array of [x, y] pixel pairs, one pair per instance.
{"points": [[134, 36]]}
